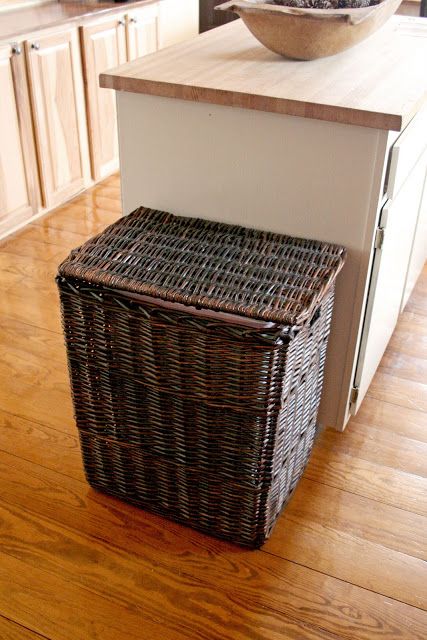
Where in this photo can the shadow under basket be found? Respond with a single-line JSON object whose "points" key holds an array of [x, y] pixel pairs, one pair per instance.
{"points": [[198, 403]]}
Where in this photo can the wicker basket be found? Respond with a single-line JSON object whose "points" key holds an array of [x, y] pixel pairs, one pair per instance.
{"points": [[196, 353]]}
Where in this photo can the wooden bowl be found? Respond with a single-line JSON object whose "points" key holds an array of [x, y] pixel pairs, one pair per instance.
{"points": [[307, 34]]}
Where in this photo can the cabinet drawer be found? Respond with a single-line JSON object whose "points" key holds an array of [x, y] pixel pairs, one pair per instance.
{"points": [[405, 152]]}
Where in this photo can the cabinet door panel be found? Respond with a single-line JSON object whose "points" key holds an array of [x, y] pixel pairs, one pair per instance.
{"points": [[18, 170], [58, 106], [142, 31], [399, 218], [104, 47], [419, 248]]}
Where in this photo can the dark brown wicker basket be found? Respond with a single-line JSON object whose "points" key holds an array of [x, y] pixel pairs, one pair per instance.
{"points": [[196, 353]]}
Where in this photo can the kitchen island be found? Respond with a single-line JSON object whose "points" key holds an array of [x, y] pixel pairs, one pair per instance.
{"points": [[333, 149]]}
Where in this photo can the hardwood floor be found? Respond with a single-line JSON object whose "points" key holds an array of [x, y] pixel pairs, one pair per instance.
{"points": [[347, 557]]}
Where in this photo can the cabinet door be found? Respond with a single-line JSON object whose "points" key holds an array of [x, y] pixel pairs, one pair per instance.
{"points": [[142, 31], [397, 227], [57, 96], [179, 21], [419, 248], [104, 47], [18, 166]]}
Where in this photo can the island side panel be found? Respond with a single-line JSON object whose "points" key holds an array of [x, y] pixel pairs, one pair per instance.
{"points": [[291, 175]]}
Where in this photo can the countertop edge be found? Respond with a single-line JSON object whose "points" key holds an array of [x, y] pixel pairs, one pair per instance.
{"points": [[283, 106]]}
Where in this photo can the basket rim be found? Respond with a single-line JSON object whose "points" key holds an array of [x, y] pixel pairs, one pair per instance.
{"points": [[115, 259]]}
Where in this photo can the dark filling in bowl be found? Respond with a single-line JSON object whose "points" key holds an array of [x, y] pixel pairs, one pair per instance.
{"points": [[327, 4]]}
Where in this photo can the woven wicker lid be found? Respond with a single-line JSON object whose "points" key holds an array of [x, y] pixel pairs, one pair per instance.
{"points": [[210, 265]]}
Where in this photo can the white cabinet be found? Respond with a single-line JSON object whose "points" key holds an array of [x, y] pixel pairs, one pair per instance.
{"points": [[142, 31], [394, 240], [47, 128], [104, 47], [109, 42], [57, 96], [419, 248], [179, 20], [18, 170]]}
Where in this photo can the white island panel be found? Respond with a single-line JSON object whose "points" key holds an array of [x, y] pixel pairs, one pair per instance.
{"points": [[292, 175]]}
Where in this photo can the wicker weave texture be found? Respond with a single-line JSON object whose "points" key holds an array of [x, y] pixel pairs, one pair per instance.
{"points": [[207, 422], [210, 265]]}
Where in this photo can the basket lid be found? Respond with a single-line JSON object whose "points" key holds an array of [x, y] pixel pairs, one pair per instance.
{"points": [[211, 265]]}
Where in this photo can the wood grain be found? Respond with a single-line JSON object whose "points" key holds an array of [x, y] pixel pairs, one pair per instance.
{"points": [[19, 197], [40, 444], [399, 391], [17, 200], [11, 631], [56, 84], [344, 562], [375, 445], [381, 524], [145, 584], [227, 66], [418, 300], [355, 558], [52, 407], [103, 46], [410, 335], [404, 366], [387, 417], [60, 610], [370, 479], [78, 218], [253, 577], [142, 29], [41, 343]]}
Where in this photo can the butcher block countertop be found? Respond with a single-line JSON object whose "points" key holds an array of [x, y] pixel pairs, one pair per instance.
{"points": [[380, 83]]}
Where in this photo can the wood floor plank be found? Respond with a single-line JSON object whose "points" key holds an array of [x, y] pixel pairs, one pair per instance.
{"points": [[378, 482], [52, 407], [12, 631], [59, 610], [404, 366], [31, 306], [15, 245], [20, 362], [417, 303], [39, 342], [254, 577], [59, 238], [90, 197], [390, 418], [345, 561], [143, 584], [360, 517], [40, 444], [351, 558], [10, 281], [410, 335], [376, 445], [33, 269], [105, 202], [398, 391], [79, 218]]}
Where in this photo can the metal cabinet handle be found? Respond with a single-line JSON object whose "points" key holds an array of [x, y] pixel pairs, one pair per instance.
{"points": [[134, 20], [121, 22], [16, 49], [35, 46]]}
